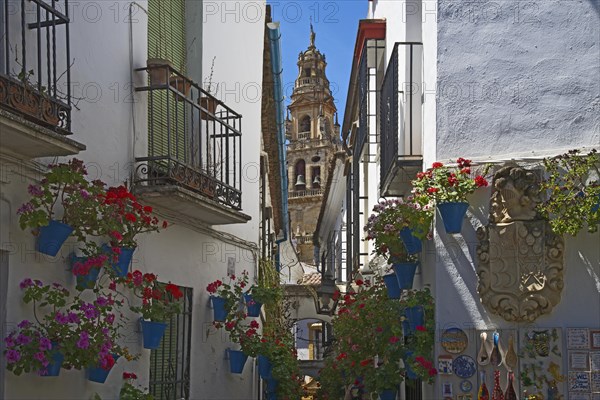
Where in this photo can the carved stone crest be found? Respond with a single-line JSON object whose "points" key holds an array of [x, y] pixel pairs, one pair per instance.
{"points": [[520, 259]]}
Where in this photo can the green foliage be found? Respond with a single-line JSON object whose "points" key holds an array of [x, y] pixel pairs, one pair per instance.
{"points": [[85, 331], [573, 189], [63, 184], [130, 392], [369, 341], [388, 218], [443, 184], [420, 344]]}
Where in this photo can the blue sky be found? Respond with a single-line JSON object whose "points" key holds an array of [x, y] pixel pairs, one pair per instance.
{"points": [[335, 24]]}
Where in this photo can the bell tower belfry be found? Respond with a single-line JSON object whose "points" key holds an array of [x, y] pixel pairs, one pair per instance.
{"points": [[313, 132]]}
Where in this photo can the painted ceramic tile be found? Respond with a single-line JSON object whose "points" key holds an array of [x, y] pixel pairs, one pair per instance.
{"points": [[578, 338], [595, 339], [595, 381], [540, 361], [579, 396], [445, 365], [579, 361], [595, 361], [579, 381]]}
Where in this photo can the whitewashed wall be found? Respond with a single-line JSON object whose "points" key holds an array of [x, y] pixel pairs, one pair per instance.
{"points": [[100, 46]]}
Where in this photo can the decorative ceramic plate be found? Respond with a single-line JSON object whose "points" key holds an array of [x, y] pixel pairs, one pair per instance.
{"points": [[464, 367], [466, 386], [454, 340]]}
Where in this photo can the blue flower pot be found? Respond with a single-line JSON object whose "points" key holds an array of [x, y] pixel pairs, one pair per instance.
{"points": [[388, 394], [84, 281], [265, 368], [597, 206], [52, 236], [410, 374], [272, 396], [121, 266], [98, 374], [272, 385], [405, 273], [453, 215], [391, 283], [415, 316], [254, 309], [237, 361], [56, 360], [219, 311], [152, 333], [412, 243]]}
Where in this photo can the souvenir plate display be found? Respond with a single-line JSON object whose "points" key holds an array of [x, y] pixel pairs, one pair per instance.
{"points": [[464, 367], [466, 386], [454, 340]]}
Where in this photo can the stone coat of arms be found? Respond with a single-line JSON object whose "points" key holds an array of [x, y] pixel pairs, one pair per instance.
{"points": [[521, 263]]}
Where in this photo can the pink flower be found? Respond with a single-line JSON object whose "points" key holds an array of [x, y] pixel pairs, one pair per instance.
{"points": [[394, 339], [421, 328]]}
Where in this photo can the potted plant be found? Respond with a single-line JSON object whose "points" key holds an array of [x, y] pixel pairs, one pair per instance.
{"points": [[84, 332], [368, 341], [159, 304], [130, 392], [123, 218], [208, 102], [29, 349], [226, 297], [159, 71], [573, 192], [63, 184], [419, 327], [408, 220], [448, 188], [87, 268], [384, 226]]}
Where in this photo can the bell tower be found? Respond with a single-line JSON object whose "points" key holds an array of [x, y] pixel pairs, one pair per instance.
{"points": [[313, 132]]}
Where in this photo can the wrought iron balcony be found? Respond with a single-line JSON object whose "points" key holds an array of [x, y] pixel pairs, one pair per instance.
{"points": [[194, 158], [401, 119], [35, 78]]}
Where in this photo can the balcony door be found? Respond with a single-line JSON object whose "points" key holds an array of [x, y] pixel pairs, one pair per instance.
{"points": [[168, 116]]}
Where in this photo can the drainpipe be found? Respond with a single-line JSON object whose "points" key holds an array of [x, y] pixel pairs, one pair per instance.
{"points": [[277, 71]]}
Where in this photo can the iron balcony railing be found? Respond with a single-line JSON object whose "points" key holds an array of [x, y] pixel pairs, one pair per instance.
{"points": [[400, 116], [194, 139], [35, 75]]}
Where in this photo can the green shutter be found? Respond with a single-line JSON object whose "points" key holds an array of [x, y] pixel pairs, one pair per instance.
{"points": [[166, 39]]}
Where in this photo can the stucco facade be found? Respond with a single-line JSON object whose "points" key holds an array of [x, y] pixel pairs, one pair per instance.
{"points": [[108, 42]]}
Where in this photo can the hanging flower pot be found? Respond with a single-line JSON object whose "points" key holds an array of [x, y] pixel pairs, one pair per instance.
{"points": [[159, 71], [388, 394], [272, 385], [56, 360], [410, 374], [210, 104], [219, 311], [391, 283], [153, 333], [415, 316], [405, 273], [412, 243], [84, 281], [265, 368], [52, 236], [252, 305], [99, 374], [453, 215], [182, 85], [121, 265], [237, 361]]}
